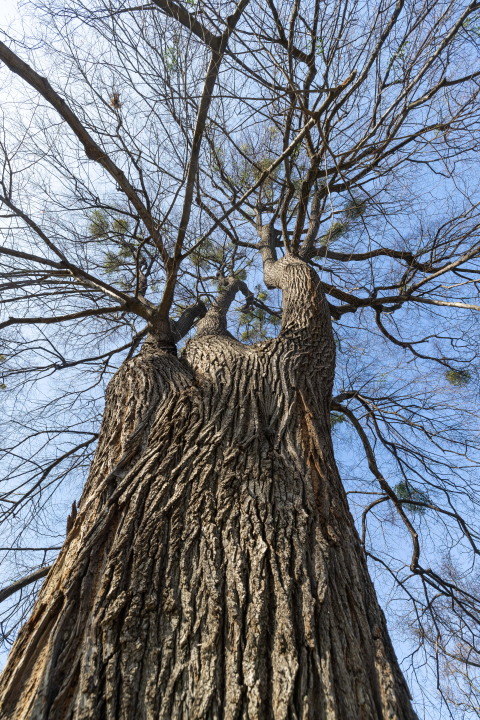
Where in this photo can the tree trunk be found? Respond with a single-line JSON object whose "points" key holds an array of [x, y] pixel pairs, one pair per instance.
{"points": [[213, 570]]}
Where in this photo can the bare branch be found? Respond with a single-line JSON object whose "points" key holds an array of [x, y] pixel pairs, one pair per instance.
{"points": [[28, 580]]}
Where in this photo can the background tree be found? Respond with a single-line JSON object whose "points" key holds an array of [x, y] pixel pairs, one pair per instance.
{"points": [[319, 161]]}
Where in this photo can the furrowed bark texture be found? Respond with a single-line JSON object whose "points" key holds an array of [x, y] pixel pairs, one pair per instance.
{"points": [[213, 570]]}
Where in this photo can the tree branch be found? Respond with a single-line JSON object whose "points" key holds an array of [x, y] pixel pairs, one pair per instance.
{"points": [[187, 320], [215, 320], [372, 464], [177, 12], [20, 584], [61, 318], [133, 304], [92, 150]]}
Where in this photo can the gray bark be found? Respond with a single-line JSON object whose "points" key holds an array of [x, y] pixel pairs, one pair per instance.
{"points": [[213, 570]]}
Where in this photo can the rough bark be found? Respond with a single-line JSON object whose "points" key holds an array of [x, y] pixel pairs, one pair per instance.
{"points": [[213, 570]]}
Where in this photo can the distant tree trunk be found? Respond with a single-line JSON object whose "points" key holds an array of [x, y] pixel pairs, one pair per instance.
{"points": [[213, 570]]}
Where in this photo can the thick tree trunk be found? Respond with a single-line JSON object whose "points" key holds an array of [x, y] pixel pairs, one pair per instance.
{"points": [[213, 570]]}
